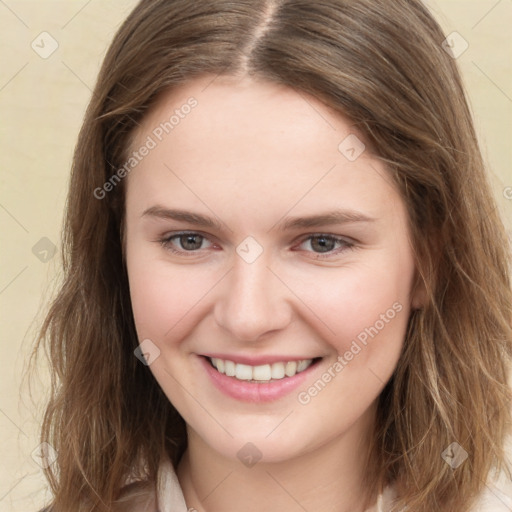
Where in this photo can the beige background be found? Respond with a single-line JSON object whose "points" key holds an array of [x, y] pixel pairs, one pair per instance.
{"points": [[42, 102]]}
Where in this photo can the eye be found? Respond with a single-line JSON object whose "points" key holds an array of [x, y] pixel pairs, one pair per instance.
{"points": [[325, 245], [182, 243]]}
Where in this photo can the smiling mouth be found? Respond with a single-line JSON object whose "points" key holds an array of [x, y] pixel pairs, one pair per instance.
{"points": [[264, 373]]}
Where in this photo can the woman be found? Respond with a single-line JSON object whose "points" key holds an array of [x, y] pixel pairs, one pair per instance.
{"points": [[286, 281]]}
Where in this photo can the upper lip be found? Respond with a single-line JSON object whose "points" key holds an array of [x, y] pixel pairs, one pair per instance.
{"points": [[257, 360]]}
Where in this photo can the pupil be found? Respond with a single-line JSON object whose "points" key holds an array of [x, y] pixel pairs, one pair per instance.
{"points": [[190, 242], [322, 244]]}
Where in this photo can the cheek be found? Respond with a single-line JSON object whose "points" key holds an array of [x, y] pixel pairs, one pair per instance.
{"points": [[164, 297], [362, 310], [363, 316]]}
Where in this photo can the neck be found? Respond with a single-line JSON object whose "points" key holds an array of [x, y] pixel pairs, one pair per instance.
{"points": [[329, 477]]}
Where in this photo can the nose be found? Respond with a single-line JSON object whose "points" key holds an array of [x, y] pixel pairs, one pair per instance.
{"points": [[252, 301]]}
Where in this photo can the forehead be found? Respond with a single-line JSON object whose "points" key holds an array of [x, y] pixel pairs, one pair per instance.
{"points": [[254, 140], [256, 114]]}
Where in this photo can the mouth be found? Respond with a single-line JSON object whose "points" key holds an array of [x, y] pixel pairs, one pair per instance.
{"points": [[263, 373], [265, 380]]}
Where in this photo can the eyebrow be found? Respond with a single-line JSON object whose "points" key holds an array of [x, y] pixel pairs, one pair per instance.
{"points": [[334, 217], [184, 216], [324, 219]]}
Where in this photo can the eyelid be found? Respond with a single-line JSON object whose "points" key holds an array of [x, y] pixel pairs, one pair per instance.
{"points": [[341, 238], [347, 244], [170, 234], [165, 241]]}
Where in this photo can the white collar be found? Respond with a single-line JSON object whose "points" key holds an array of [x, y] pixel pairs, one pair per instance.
{"points": [[169, 494]]}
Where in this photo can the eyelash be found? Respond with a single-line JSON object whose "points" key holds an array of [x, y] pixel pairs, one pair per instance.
{"points": [[166, 243], [345, 244]]}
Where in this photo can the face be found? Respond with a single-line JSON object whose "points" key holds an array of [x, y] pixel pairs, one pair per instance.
{"points": [[263, 239]]}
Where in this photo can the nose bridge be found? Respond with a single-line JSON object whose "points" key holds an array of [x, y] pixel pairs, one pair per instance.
{"points": [[252, 301]]}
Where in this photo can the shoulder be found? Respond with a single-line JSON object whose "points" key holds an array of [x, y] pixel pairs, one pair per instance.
{"points": [[137, 497]]}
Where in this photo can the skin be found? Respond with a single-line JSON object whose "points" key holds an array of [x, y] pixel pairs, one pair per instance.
{"points": [[250, 155]]}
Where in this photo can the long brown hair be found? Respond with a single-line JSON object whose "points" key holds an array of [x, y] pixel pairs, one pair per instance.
{"points": [[380, 64]]}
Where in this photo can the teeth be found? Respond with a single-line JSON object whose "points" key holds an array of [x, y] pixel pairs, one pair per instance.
{"points": [[262, 373], [302, 365], [229, 368], [277, 370], [243, 372], [290, 369]]}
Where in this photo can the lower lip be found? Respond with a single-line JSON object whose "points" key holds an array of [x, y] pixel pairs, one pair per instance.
{"points": [[254, 391]]}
